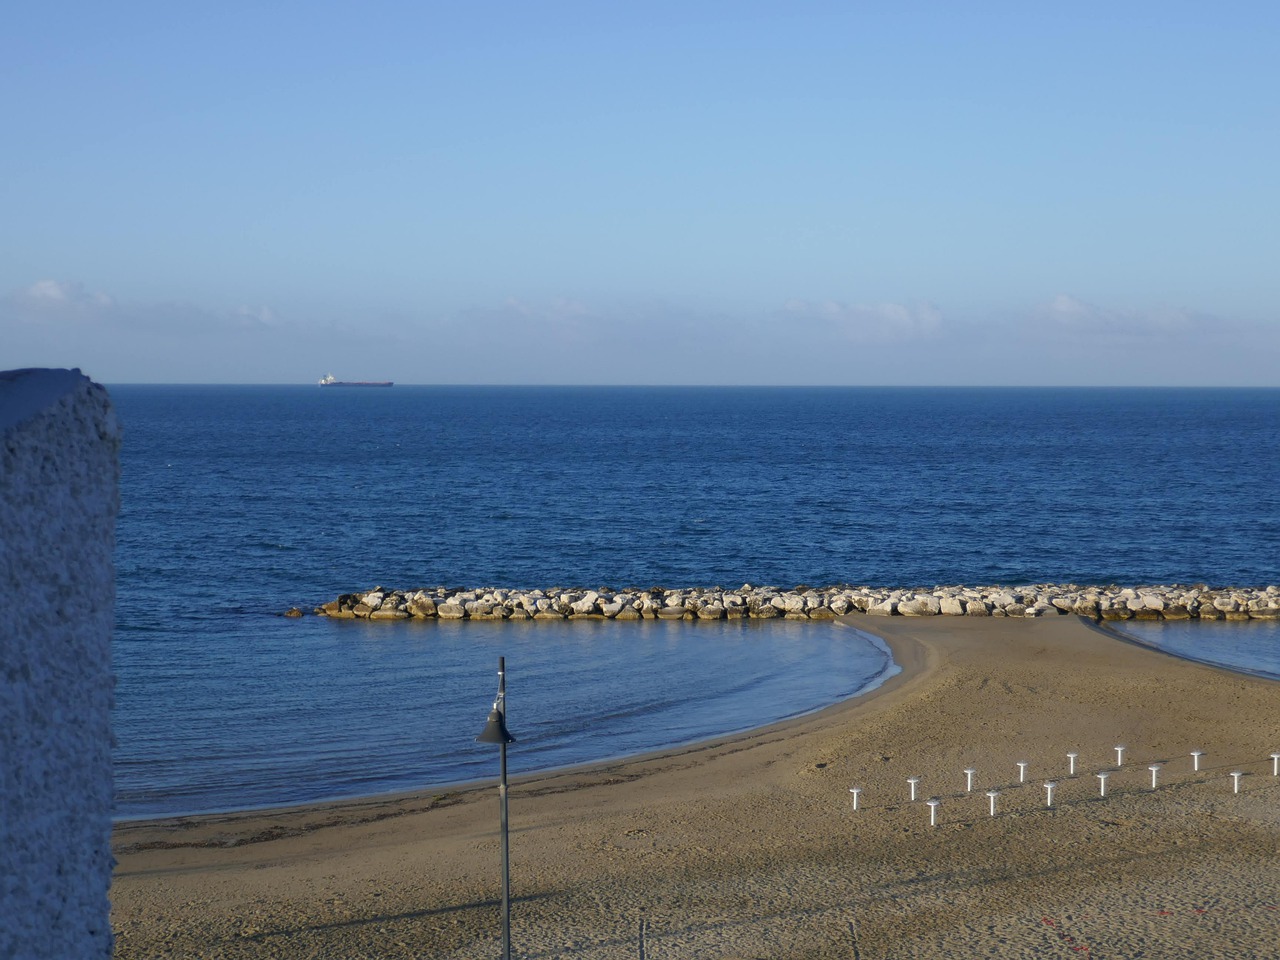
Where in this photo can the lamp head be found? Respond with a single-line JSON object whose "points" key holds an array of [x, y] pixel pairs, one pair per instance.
{"points": [[495, 730]]}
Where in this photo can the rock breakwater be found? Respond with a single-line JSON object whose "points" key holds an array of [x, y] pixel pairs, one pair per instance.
{"points": [[1109, 603]]}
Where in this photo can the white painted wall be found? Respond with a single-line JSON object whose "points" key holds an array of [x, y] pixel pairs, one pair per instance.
{"points": [[59, 494]]}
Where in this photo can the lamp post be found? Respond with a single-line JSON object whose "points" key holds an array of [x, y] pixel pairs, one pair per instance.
{"points": [[495, 731]]}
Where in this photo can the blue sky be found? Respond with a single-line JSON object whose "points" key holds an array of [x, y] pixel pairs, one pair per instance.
{"points": [[736, 193]]}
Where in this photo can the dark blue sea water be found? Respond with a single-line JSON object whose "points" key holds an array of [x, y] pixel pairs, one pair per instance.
{"points": [[239, 502]]}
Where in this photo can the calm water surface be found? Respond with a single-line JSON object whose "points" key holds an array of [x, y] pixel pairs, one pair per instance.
{"points": [[329, 708], [239, 502], [1249, 647]]}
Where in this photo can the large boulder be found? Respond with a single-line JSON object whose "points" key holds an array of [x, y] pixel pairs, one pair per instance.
{"points": [[922, 606], [1264, 609], [793, 604], [421, 606], [1086, 607]]}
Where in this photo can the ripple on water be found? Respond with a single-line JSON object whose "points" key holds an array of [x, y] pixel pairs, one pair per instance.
{"points": [[317, 709]]}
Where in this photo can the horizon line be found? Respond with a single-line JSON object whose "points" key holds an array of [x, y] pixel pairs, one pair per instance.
{"points": [[724, 386]]}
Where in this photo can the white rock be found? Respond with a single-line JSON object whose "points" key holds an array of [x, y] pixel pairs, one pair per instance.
{"points": [[924, 606]]}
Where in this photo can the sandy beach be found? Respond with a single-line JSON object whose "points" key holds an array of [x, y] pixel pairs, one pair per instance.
{"points": [[749, 847]]}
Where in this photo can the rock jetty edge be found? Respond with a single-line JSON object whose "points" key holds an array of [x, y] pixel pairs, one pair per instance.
{"points": [[1100, 603]]}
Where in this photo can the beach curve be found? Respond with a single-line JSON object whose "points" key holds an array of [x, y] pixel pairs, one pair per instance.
{"points": [[748, 846]]}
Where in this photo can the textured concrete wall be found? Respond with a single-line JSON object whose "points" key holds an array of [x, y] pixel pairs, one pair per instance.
{"points": [[59, 481]]}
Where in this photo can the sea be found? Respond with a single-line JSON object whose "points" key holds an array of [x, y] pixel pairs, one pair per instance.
{"points": [[239, 502]]}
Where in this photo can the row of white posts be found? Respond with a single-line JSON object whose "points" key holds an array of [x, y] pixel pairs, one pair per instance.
{"points": [[933, 803]]}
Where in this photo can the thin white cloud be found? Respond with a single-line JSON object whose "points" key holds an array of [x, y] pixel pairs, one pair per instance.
{"points": [[569, 321], [59, 323], [869, 323], [51, 300], [256, 317], [1151, 345], [568, 339], [62, 306], [1068, 315], [565, 318]]}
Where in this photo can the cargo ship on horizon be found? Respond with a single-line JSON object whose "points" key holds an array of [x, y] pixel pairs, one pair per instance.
{"points": [[332, 381]]}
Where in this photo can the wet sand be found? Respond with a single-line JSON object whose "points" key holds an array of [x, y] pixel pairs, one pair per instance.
{"points": [[749, 846]]}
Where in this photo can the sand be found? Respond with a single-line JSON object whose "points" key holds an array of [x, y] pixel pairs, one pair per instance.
{"points": [[749, 846]]}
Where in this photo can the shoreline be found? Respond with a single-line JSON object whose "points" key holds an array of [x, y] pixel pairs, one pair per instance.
{"points": [[1116, 631], [322, 812], [785, 666], [747, 843]]}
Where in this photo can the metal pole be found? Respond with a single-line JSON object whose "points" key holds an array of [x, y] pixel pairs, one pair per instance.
{"points": [[495, 731], [506, 866], [502, 794]]}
